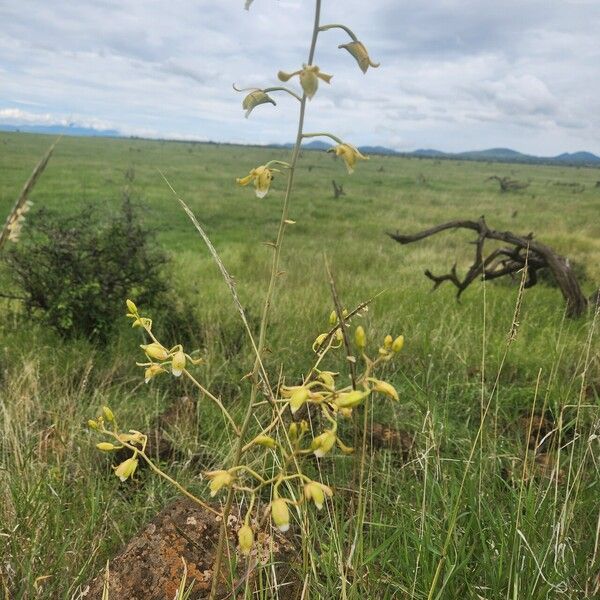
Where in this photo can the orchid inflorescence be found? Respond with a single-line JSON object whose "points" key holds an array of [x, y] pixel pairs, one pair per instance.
{"points": [[321, 388], [308, 76]]}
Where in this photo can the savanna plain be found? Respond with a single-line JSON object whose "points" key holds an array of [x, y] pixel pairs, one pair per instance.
{"points": [[473, 377]]}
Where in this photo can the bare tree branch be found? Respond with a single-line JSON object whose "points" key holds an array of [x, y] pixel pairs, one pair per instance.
{"points": [[522, 251]]}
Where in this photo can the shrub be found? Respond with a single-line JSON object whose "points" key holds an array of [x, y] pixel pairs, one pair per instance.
{"points": [[74, 272]]}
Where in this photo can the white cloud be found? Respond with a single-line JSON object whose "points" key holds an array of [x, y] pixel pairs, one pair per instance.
{"points": [[455, 74]]}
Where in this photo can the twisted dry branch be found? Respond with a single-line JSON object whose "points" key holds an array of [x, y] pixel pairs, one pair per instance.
{"points": [[521, 252]]}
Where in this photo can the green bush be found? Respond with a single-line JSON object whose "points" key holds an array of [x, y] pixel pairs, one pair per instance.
{"points": [[75, 272]]}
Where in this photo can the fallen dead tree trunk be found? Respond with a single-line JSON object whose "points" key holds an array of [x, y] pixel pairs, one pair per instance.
{"points": [[521, 252]]}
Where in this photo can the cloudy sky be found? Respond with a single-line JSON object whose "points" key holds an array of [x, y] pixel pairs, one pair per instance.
{"points": [[455, 74]]}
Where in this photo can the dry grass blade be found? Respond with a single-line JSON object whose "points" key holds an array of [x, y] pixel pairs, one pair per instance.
{"points": [[228, 280], [106, 583], [24, 195], [343, 323], [181, 590]]}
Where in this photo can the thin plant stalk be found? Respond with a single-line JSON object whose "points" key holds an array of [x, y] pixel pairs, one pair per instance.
{"points": [[265, 312]]}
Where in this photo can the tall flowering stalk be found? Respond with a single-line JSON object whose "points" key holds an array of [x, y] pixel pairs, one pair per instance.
{"points": [[287, 485]]}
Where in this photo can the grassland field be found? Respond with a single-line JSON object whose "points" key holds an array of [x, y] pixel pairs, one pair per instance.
{"points": [[62, 512]]}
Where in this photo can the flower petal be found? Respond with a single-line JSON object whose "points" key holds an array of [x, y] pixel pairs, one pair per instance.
{"points": [[283, 76], [246, 180]]}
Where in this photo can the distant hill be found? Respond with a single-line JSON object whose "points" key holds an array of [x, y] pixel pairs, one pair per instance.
{"points": [[508, 155], [62, 130], [577, 157], [376, 150], [492, 154], [316, 145]]}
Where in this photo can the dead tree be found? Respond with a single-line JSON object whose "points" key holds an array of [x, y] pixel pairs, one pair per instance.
{"points": [[509, 185], [338, 189], [521, 252]]}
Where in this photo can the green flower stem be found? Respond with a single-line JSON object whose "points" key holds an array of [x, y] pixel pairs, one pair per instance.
{"points": [[339, 26], [267, 90], [323, 134], [215, 400], [283, 89], [251, 471], [269, 427], [265, 314], [200, 386], [278, 162], [162, 474]]}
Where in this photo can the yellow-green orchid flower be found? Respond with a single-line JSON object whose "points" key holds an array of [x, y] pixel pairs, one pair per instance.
{"points": [[218, 480], [127, 468], [349, 153], [262, 177], [309, 78], [359, 52], [315, 491]]}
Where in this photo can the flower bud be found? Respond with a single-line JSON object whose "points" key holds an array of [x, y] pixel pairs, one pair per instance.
{"points": [[293, 432], [360, 338], [126, 469], [333, 318], [254, 99], [359, 52], [245, 539], [108, 414], [265, 440], [351, 399], [107, 447], [398, 344], [323, 443], [388, 341], [299, 397], [155, 351], [131, 307], [345, 449], [317, 343], [178, 363], [383, 387], [280, 514], [93, 424], [219, 479]]}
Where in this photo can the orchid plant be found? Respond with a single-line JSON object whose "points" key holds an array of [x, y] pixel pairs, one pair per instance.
{"points": [[289, 442]]}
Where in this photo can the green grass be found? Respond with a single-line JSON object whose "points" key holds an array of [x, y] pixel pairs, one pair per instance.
{"points": [[62, 514]]}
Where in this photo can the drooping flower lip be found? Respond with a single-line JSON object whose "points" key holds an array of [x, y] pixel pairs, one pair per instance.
{"points": [[359, 52], [254, 99]]}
